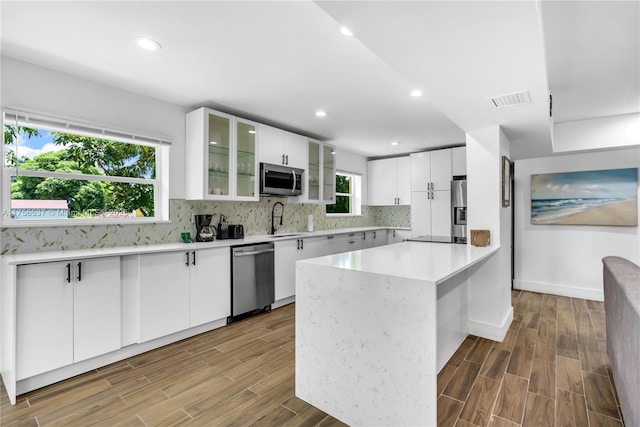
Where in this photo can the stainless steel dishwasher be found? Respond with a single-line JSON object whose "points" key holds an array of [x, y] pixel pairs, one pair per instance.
{"points": [[252, 279]]}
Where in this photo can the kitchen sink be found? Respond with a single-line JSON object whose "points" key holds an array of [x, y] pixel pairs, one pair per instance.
{"points": [[275, 236]]}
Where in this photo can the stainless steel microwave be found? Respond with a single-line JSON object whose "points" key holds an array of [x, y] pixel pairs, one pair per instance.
{"points": [[278, 180]]}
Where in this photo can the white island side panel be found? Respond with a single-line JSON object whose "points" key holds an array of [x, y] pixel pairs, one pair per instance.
{"points": [[366, 345]]}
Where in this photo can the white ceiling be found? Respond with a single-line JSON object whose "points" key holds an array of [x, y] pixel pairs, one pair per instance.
{"points": [[278, 62]]}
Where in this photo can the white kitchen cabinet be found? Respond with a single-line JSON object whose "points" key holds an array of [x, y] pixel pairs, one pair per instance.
{"points": [[340, 243], [164, 294], [280, 147], [389, 181], [459, 161], [431, 175], [371, 239], [209, 285], [328, 174], [431, 170], [287, 252], [221, 157], [66, 312], [397, 236], [431, 215], [320, 174], [183, 289]]}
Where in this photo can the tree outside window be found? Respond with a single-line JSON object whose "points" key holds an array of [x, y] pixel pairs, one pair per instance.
{"points": [[52, 175], [347, 195]]}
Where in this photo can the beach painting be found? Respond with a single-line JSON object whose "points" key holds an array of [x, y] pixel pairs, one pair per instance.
{"points": [[600, 197]]}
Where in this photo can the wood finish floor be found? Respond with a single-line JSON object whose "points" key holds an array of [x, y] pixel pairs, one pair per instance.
{"points": [[552, 369]]}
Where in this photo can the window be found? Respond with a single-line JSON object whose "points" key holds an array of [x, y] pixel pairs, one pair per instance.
{"points": [[348, 200], [55, 171]]}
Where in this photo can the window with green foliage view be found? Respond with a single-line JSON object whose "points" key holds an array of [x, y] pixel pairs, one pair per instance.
{"points": [[54, 174], [347, 195]]}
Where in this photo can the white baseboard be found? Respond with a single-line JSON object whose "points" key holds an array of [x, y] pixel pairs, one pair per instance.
{"points": [[559, 289], [491, 331], [283, 301]]}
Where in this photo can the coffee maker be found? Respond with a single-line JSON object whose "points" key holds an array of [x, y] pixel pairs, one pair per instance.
{"points": [[204, 231]]}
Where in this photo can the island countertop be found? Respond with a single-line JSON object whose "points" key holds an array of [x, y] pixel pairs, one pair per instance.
{"points": [[375, 326], [427, 261]]}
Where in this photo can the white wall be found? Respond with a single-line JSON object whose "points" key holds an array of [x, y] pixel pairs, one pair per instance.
{"points": [[42, 90], [563, 259], [603, 132], [490, 283]]}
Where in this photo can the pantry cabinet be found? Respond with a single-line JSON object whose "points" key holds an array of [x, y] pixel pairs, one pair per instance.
{"points": [[431, 170], [459, 161], [431, 175], [389, 181], [179, 290], [221, 157], [66, 312], [280, 147]]}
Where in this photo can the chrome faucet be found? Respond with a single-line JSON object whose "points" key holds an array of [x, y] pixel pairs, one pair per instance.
{"points": [[273, 209]]}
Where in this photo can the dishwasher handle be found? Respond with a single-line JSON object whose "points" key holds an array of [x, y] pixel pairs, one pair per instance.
{"points": [[251, 253]]}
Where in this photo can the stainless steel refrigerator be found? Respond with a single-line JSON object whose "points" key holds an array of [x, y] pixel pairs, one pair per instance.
{"points": [[459, 211]]}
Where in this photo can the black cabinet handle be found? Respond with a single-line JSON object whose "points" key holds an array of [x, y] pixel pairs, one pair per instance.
{"points": [[298, 242], [79, 272], [283, 159], [287, 157], [68, 272], [374, 234], [194, 257], [302, 244], [329, 237], [364, 236], [187, 263]]}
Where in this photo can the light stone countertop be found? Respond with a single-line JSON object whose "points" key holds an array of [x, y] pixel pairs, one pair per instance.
{"points": [[38, 257], [427, 261]]}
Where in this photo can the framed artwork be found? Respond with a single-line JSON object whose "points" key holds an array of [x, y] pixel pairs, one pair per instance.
{"points": [[506, 182], [600, 197]]}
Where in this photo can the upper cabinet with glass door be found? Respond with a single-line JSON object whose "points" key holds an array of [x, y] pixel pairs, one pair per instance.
{"points": [[328, 174], [321, 175], [221, 161]]}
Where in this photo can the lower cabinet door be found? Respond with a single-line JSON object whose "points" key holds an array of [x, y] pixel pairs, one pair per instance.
{"points": [[286, 254], [210, 286], [164, 294], [44, 317], [97, 315]]}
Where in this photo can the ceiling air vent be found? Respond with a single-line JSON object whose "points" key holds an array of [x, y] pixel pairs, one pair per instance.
{"points": [[511, 99]]}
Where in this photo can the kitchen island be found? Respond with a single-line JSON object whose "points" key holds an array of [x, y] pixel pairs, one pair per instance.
{"points": [[374, 327]]}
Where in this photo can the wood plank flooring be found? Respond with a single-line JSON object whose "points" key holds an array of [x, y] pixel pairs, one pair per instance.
{"points": [[551, 369]]}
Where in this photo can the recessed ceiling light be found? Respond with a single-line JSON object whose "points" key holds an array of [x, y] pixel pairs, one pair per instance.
{"points": [[395, 143], [345, 31], [321, 113], [252, 131], [213, 143], [416, 93], [148, 44]]}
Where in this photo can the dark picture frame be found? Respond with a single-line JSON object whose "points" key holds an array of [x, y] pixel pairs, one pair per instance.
{"points": [[506, 182]]}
